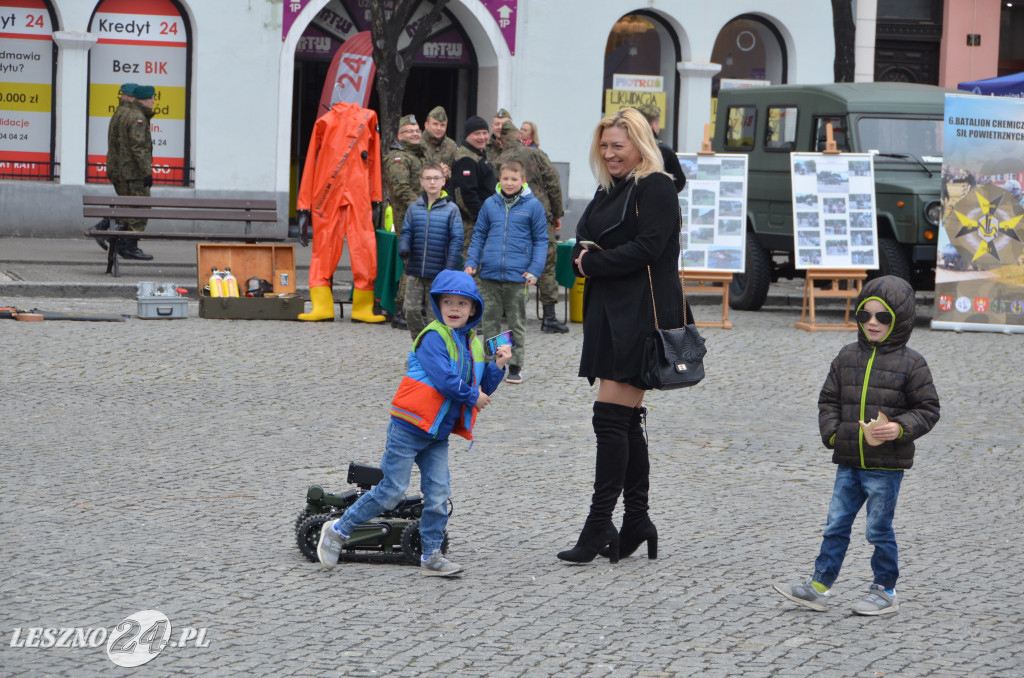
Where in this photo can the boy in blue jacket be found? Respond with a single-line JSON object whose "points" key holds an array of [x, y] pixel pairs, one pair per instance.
{"points": [[508, 249], [447, 381], [431, 241]]}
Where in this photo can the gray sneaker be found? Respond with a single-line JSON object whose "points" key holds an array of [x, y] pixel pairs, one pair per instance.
{"points": [[515, 374], [804, 594], [439, 566], [877, 602], [331, 543]]}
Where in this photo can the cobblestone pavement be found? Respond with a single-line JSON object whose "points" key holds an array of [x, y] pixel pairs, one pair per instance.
{"points": [[161, 464]]}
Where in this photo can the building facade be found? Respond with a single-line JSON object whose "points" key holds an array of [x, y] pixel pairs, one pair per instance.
{"points": [[239, 83]]}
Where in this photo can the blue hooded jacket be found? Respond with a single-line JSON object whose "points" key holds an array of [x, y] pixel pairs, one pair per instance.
{"points": [[432, 369], [508, 242]]}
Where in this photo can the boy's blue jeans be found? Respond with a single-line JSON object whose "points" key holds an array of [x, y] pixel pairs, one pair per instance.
{"points": [[853, 488], [402, 450]]}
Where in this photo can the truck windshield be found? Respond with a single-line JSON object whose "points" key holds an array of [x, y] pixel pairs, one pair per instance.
{"points": [[918, 137]]}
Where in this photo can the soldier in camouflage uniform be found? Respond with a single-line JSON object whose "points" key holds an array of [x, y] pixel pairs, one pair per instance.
{"points": [[473, 179], [436, 146], [402, 167], [543, 180], [130, 158], [493, 149]]}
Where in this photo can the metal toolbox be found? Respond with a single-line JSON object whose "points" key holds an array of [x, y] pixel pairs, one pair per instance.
{"points": [[161, 301]]}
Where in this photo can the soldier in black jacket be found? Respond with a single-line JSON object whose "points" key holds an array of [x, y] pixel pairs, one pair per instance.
{"points": [[472, 179], [877, 400]]}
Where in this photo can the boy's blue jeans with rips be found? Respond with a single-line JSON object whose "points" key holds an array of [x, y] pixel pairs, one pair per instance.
{"points": [[853, 488], [403, 449]]}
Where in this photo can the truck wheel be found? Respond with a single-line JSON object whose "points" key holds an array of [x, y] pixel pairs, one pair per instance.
{"points": [[412, 547], [748, 290], [307, 535], [891, 260]]}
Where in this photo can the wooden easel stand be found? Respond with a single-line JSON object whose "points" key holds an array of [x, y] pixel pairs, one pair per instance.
{"points": [[704, 279], [835, 275]]}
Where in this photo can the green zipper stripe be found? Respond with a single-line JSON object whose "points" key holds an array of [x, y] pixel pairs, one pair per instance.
{"points": [[863, 399]]}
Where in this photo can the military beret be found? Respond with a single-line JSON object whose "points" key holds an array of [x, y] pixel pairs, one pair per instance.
{"points": [[438, 113], [128, 88], [502, 113], [509, 127], [649, 111], [407, 120], [144, 92], [475, 124]]}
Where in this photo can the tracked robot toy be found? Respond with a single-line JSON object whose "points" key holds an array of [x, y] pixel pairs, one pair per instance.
{"points": [[393, 536]]}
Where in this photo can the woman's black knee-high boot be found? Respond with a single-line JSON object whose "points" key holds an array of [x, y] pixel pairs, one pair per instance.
{"points": [[611, 425], [637, 527]]}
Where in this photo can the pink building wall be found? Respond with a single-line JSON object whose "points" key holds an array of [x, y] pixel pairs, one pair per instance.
{"points": [[959, 62]]}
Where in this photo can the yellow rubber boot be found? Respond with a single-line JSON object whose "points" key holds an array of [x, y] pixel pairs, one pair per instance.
{"points": [[362, 307], [323, 305]]}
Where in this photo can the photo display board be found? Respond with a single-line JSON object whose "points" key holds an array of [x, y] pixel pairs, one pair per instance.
{"points": [[144, 42], [26, 89], [714, 212], [979, 272], [834, 211]]}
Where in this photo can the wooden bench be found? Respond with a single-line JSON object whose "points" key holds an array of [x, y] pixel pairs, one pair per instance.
{"points": [[178, 209]]}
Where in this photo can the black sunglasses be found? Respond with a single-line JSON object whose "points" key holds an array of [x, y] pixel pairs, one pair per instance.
{"points": [[884, 317]]}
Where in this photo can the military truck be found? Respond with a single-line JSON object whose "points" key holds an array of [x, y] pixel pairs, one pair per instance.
{"points": [[900, 123]]}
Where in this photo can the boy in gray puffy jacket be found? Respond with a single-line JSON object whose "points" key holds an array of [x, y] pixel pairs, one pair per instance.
{"points": [[878, 398], [507, 251], [431, 242]]}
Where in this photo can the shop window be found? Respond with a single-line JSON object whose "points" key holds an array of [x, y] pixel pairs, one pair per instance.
{"points": [[27, 72], [146, 42], [640, 60]]}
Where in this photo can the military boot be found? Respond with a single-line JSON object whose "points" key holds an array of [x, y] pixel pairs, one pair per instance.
{"points": [[549, 323], [102, 225], [128, 248]]}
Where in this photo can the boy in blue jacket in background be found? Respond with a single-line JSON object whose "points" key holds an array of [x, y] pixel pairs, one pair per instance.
{"points": [[430, 242], [507, 252], [447, 381]]}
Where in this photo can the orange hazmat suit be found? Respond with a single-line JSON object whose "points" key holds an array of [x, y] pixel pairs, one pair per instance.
{"points": [[339, 181]]}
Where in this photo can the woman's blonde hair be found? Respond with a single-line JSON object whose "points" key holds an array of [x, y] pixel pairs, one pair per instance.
{"points": [[639, 133], [535, 136]]}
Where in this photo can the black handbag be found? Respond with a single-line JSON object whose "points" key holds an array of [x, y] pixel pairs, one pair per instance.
{"points": [[672, 358]]}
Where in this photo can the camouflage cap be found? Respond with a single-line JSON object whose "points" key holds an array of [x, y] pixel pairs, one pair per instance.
{"points": [[509, 127], [649, 111], [502, 113], [407, 120], [438, 113], [128, 88], [144, 92]]}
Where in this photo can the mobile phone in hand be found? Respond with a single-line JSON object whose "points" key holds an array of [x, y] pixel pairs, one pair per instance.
{"points": [[503, 339]]}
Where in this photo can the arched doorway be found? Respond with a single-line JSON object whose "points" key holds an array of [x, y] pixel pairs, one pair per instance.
{"points": [[29, 70], [751, 51], [640, 60], [146, 42], [444, 73]]}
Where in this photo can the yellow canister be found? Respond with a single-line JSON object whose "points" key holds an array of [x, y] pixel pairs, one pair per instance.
{"points": [[576, 301]]}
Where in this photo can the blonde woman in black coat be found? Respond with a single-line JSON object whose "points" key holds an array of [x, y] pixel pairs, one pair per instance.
{"points": [[629, 228]]}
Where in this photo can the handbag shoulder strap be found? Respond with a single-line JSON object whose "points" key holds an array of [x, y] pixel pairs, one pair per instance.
{"points": [[650, 281]]}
